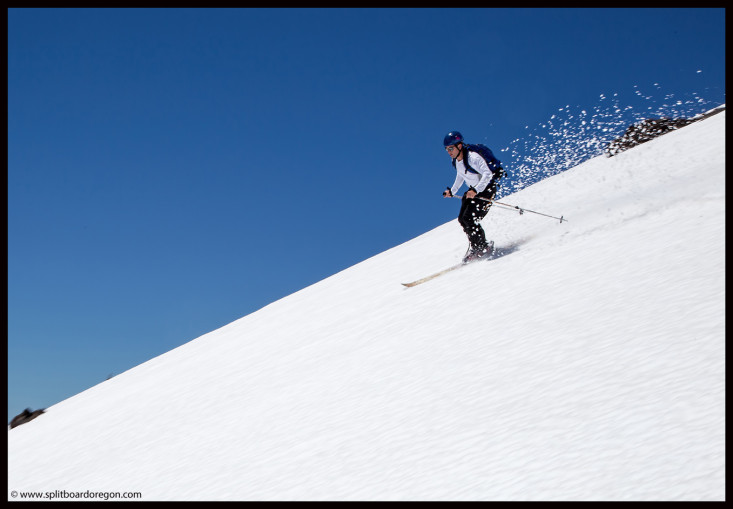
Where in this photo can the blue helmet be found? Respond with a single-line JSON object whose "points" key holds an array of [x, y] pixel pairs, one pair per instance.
{"points": [[453, 138]]}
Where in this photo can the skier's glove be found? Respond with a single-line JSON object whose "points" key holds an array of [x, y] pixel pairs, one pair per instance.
{"points": [[447, 193]]}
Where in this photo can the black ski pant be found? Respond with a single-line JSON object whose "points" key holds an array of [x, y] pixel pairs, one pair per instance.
{"points": [[473, 211]]}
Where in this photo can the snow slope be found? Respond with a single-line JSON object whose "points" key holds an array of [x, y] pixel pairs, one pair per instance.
{"points": [[585, 364]]}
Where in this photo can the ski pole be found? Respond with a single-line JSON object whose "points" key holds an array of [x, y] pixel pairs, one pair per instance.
{"points": [[520, 209]]}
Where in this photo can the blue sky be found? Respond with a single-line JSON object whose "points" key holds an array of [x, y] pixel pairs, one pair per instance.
{"points": [[170, 171]]}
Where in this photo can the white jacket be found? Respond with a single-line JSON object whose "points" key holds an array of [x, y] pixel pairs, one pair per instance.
{"points": [[478, 181]]}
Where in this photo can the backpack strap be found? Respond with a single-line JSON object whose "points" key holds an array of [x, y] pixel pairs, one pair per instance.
{"points": [[494, 165], [468, 165], [465, 161]]}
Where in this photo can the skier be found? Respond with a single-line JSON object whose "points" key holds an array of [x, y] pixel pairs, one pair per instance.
{"points": [[482, 182]]}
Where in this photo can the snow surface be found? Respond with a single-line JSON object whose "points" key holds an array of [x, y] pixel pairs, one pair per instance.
{"points": [[585, 364]]}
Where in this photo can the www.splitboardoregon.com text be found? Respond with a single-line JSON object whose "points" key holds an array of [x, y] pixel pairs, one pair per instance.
{"points": [[75, 495]]}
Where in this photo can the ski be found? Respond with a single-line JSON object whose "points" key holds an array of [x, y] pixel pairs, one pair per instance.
{"points": [[433, 276], [493, 255]]}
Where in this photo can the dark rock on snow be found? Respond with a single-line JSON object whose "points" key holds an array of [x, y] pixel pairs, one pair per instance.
{"points": [[25, 416], [648, 129]]}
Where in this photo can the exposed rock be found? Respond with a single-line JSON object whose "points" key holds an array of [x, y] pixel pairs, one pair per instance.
{"points": [[648, 129], [25, 416]]}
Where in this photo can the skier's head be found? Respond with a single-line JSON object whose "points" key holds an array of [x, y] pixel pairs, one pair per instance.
{"points": [[451, 142], [452, 138]]}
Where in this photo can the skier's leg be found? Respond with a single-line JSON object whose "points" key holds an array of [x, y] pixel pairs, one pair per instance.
{"points": [[472, 211]]}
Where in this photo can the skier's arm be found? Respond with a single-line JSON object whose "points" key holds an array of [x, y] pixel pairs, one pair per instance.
{"points": [[478, 163], [457, 184]]}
